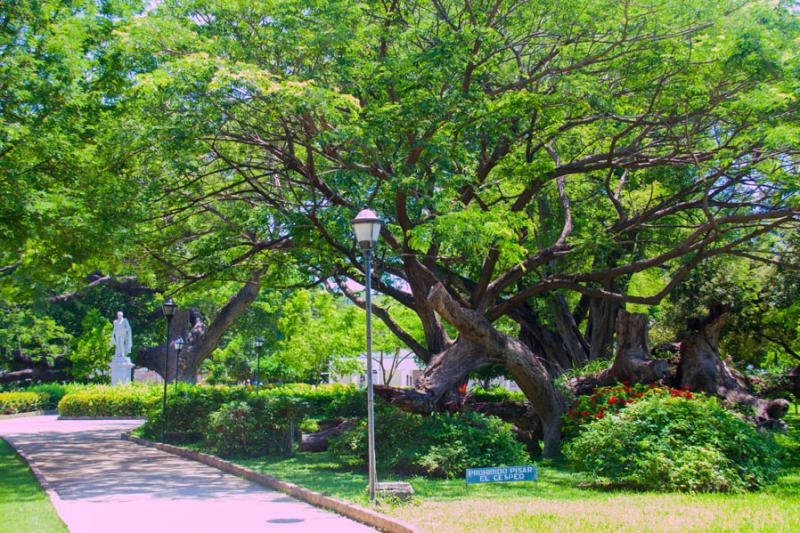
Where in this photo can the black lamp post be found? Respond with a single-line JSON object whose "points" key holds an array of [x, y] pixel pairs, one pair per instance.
{"points": [[367, 228], [169, 311], [179, 343], [259, 342]]}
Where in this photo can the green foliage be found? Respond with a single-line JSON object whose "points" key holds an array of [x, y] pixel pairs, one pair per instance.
{"points": [[440, 445], [22, 329], [56, 391], [232, 430], [22, 402], [190, 406], [668, 443], [495, 394], [92, 350], [100, 400]]}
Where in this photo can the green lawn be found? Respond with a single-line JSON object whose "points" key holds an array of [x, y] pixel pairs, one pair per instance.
{"points": [[24, 506], [560, 500]]}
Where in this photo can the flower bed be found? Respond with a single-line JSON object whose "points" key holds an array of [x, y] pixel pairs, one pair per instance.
{"points": [[105, 401], [22, 402], [608, 400]]}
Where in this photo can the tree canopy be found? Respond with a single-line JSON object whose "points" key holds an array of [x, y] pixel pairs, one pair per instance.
{"points": [[539, 165]]}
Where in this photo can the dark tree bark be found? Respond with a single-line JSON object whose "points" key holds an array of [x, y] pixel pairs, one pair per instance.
{"points": [[319, 441], [200, 340], [479, 344], [25, 368], [702, 369], [600, 327], [632, 361], [129, 285]]}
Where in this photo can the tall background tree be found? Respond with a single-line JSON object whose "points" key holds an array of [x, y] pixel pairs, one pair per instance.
{"points": [[537, 163]]}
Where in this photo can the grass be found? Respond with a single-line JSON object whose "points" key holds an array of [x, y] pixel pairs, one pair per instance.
{"points": [[24, 506], [560, 500]]}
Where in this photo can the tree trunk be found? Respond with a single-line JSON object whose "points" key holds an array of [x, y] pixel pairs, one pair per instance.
{"points": [[574, 343], [702, 369], [479, 343], [25, 368], [632, 361], [201, 341], [600, 327]]}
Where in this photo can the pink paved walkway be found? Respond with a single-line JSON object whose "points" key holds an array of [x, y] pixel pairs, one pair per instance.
{"points": [[107, 485]]}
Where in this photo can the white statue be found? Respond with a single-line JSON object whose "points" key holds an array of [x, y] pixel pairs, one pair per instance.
{"points": [[122, 339]]}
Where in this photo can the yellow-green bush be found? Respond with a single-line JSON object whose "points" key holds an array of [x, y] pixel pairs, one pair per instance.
{"points": [[22, 402], [120, 401]]}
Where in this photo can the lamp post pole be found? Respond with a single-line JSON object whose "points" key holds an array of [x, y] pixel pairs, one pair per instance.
{"points": [[367, 227], [259, 344], [179, 342], [373, 476], [169, 309]]}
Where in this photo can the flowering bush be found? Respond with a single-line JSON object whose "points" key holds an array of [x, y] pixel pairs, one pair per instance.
{"points": [[608, 400], [665, 443]]}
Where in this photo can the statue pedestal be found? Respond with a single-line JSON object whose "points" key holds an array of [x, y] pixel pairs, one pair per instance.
{"points": [[121, 371]]}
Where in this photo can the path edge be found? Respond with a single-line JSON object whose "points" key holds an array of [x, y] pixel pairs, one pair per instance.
{"points": [[55, 499], [350, 510]]}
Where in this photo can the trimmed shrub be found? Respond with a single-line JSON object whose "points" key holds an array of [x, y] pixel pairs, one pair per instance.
{"points": [[669, 443], [259, 425], [22, 402], [189, 406], [232, 430], [440, 445], [188, 410], [56, 391], [103, 400]]}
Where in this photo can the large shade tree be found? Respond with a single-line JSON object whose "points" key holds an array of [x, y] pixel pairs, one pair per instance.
{"points": [[536, 162]]}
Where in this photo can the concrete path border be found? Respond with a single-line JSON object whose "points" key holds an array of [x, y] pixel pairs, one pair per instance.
{"points": [[350, 510]]}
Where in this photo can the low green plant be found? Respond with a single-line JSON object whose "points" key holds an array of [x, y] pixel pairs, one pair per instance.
{"points": [[56, 391], [668, 443], [261, 424], [440, 445], [102, 400], [22, 402], [495, 394]]}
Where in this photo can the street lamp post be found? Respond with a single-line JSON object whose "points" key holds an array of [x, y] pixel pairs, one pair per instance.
{"points": [[169, 311], [367, 227], [259, 342], [179, 343]]}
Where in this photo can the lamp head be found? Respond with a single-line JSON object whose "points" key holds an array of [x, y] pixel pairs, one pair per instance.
{"points": [[367, 228], [259, 342], [169, 308], [179, 343]]}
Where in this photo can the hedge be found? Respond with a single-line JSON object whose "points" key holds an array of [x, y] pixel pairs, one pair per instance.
{"points": [[191, 406], [22, 402], [102, 400]]}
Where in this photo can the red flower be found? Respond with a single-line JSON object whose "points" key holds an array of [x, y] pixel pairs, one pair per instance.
{"points": [[688, 395], [686, 387], [612, 400], [584, 413], [598, 415]]}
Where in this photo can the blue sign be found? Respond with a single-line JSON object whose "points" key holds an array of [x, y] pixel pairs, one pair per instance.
{"points": [[500, 474]]}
